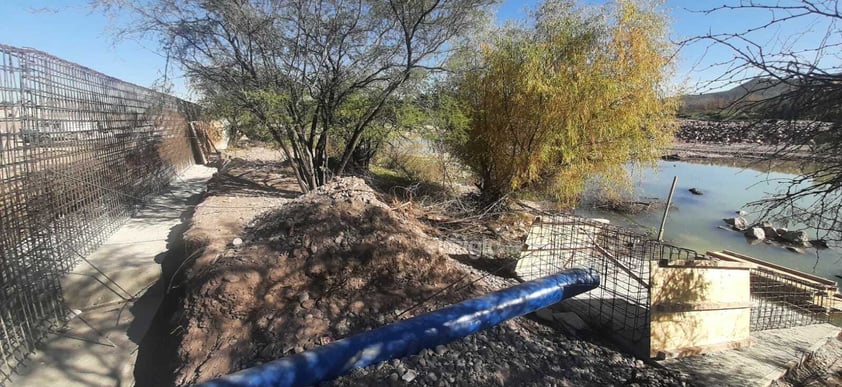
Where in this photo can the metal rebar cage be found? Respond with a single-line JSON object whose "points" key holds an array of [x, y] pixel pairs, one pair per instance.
{"points": [[78, 151]]}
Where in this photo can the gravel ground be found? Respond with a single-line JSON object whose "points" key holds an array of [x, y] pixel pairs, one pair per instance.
{"points": [[518, 353]]}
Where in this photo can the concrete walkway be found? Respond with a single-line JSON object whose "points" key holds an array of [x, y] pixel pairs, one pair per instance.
{"points": [[771, 354], [113, 294]]}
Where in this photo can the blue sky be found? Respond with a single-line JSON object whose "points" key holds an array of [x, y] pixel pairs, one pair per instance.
{"points": [[68, 29]]}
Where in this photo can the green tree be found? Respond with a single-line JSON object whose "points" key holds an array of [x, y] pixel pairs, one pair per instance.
{"points": [[574, 96], [296, 64]]}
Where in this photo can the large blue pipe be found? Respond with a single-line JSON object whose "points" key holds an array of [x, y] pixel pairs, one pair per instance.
{"points": [[410, 336]]}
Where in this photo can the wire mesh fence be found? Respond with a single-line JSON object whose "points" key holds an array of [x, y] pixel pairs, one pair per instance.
{"points": [[78, 152]]}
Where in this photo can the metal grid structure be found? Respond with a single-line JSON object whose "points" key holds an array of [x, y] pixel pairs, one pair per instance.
{"points": [[622, 259], [780, 300], [78, 151], [785, 298]]}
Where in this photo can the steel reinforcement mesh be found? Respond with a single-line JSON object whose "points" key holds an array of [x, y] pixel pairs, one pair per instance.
{"points": [[622, 259], [78, 151], [779, 300]]}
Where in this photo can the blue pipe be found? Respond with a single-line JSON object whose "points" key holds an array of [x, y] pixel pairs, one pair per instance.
{"points": [[410, 336]]}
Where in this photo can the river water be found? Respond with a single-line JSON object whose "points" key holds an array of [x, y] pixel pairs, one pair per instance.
{"points": [[694, 219]]}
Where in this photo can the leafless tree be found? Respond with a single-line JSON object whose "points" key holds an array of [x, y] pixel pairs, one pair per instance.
{"points": [[795, 78], [295, 64]]}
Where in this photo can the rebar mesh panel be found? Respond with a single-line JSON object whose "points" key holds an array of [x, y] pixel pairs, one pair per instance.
{"points": [[78, 150], [782, 301], [621, 257]]}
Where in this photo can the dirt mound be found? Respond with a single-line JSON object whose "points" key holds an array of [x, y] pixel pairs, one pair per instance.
{"points": [[325, 265]]}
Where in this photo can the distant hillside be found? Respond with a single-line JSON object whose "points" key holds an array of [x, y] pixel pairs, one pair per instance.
{"points": [[724, 103]]}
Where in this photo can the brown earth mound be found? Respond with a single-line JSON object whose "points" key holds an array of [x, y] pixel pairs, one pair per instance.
{"points": [[325, 265]]}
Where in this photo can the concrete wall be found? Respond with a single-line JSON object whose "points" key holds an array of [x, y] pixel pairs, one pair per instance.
{"points": [[698, 307]]}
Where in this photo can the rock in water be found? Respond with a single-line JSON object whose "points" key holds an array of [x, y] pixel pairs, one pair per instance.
{"points": [[819, 243], [796, 237], [755, 233], [739, 223], [696, 191], [770, 230]]}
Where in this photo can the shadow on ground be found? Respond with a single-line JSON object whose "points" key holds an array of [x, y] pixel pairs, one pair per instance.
{"points": [[157, 356]]}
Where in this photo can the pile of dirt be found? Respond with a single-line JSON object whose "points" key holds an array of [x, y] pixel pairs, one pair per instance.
{"points": [[325, 265]]}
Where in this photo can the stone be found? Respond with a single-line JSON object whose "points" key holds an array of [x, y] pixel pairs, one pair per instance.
{"points": [[343, 327], [819, 243], [440, 349], [409, 376], [770, 231], [237, 242], [231, 277], [357, 306], [695, 191], [796, 237], [755, 233], [739, 223]]}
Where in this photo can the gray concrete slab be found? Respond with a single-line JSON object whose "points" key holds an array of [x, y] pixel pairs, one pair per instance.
{"points": [[771, 354], [114, 293]]}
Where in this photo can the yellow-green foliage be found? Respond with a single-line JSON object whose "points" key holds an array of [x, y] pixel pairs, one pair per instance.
{"points": [[573, 97]]}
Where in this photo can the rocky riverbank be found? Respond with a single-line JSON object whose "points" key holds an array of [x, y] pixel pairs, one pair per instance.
{"points": [[697, 139]]}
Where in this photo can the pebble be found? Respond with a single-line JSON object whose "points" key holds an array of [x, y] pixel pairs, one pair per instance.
{"points": [[409, 376], [237, 242]]}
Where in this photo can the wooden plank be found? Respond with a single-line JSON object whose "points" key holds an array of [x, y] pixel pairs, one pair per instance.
{"points": [[700, 349], [798, 273], [730, 256], [704, 263], [782, 268], [699, 306], [699, 331]]}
